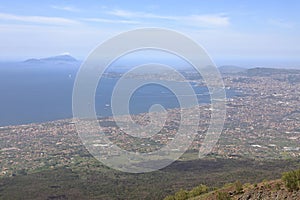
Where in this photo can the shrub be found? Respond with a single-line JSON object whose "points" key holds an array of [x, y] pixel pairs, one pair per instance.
{"points": [[223, 196], [292, 180], [170, 197], [196, 191], [181, 195], [238, 187], [277, 186]]}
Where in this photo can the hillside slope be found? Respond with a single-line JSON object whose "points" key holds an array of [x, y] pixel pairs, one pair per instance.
{"points": [[288, 187], [266, 190]]}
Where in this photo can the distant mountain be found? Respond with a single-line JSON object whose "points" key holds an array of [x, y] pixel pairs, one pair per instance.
{"points": [[257, 71], [60, 59], [231, 69], [66, 58], [261, 71], [33, 60]]}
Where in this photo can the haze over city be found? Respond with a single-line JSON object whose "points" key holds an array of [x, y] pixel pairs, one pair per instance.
{"points": [[243, 33], [154, 100]]}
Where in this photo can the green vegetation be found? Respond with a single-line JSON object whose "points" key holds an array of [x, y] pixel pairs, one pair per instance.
{"points": [[184, 194], [236, 190], [86, 178], [292, 180], [196, 191], [238, 187], [223, 196], [277, 186], [181, 195]]}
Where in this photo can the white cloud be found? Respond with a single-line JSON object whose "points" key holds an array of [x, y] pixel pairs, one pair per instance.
{"points": [[111, 21], [209, 20], [123, 13], [38, 19], [131, 14], [66, 8]]}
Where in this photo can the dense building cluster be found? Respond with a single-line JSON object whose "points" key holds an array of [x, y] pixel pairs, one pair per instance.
{"points": [[262, 123]]}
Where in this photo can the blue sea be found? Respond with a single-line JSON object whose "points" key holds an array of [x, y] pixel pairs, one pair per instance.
{"points": [[36, 94]]}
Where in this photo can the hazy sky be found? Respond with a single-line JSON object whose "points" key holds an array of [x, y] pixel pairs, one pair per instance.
{"points": [[231, 31]]}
